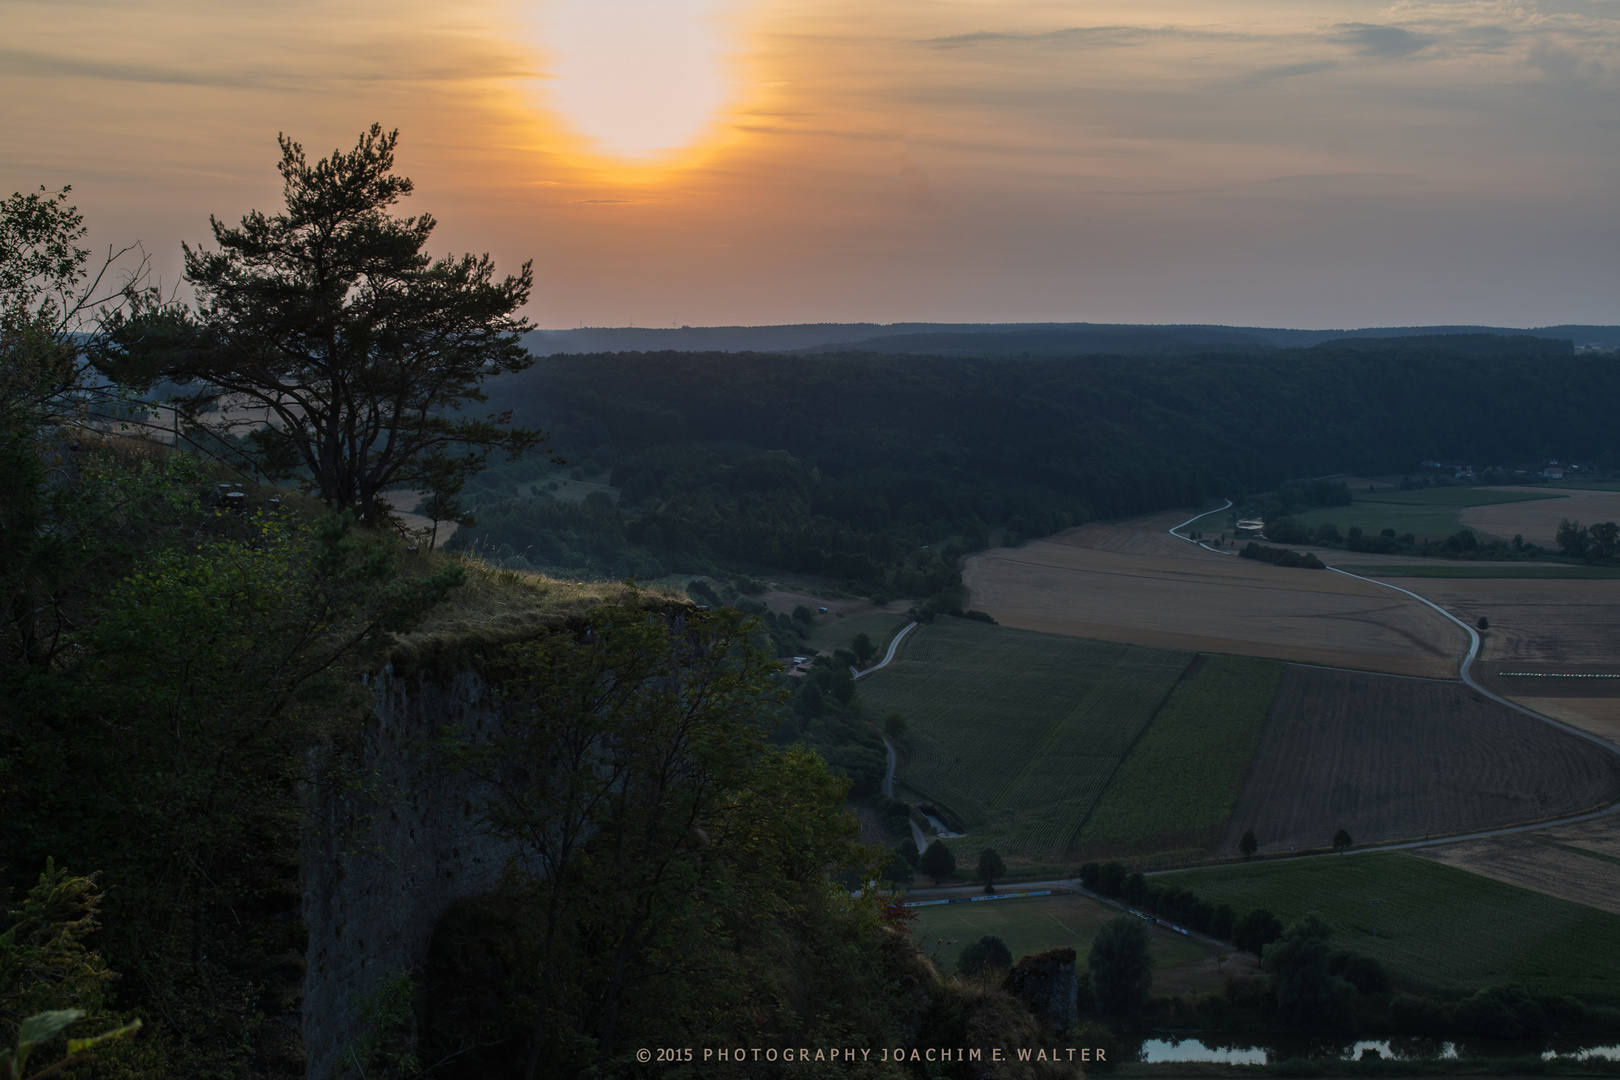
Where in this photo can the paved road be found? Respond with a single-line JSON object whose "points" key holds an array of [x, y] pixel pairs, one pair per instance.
{"points": [[1200, 543], [1463, 674], [893, 645]]}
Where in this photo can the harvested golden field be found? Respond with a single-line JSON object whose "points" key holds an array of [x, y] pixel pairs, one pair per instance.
{"points": [[1392, 759], [1537, 521], [1576, 862], [1134, 583], [1537, 625]]}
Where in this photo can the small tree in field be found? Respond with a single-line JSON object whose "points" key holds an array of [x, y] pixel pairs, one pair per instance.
{"points": [[1249, 844], [863, 649], [1484, 623], [990, 868], [937, 862], [1341, 841]]}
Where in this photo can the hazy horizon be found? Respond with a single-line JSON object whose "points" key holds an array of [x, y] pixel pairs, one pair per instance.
{"points": [[1328, 163]]}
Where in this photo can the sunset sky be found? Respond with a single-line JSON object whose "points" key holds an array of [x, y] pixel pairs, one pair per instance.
{"points": [[1309, 163]]}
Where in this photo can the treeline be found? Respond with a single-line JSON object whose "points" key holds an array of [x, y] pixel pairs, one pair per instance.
{"points": [[1281, 556], [1309, 986], [846, 465]]}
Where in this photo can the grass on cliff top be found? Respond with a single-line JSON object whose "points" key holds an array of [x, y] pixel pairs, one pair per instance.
{"points": [[494, 605]]}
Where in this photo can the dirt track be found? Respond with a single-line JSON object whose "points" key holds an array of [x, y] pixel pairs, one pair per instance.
{"points": [[1135, 583]]}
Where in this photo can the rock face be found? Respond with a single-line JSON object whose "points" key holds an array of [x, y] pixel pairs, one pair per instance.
{"points": [[1046, 982], [384, 856]]}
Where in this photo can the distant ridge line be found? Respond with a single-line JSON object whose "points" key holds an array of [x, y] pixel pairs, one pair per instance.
{"points": [[805, 336]]}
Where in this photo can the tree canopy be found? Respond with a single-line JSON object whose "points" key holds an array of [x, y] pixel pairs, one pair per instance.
{"points": [[329, 335], [1120, 966], [937, 861]]}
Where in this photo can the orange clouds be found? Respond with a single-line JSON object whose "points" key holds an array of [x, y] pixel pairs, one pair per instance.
{"points": [[1339, 162]]}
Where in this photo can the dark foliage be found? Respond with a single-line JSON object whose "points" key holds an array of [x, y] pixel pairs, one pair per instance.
{"points": [[845, 465], [1256, 930], [1282, 556], [938, 862], [989, 953], [1120, 966], [331, 317]]}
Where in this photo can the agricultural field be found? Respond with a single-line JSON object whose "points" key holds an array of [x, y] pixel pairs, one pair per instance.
{"points": [[1134, 583], [1561, 626], [1015, 733], [1537, 521], [1174, 794], [1036, 924], [829, 632], [1440, 929], [1396, 759], [1430, 512], [1430, 568], [1575, 862], [1598, 715], [843, 621]]}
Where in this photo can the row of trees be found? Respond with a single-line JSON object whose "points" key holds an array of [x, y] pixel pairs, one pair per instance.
{"points": [[1599, 541]]}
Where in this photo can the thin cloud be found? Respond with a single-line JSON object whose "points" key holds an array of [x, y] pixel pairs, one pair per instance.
{"points": [[1285, 71], [1084, 36], [1382, 42]]}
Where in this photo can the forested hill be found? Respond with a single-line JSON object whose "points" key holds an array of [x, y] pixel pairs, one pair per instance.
{"points": [[779, 461], [1121, 338]]}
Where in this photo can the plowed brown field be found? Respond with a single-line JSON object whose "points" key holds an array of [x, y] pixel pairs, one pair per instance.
{"points": [[1134, 583], [1395, 759], [1574, 863], [1599, 715]]}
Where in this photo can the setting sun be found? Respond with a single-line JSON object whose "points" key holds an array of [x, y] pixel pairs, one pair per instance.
{"points": [[637, 80]]}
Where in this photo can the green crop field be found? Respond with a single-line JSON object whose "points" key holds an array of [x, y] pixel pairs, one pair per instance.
{"points": [[1174, 793], [1431, 512], [1449, 570], [1036, 924], [1440, 929], [827, 633], [1016, 733], [1459, 497]]}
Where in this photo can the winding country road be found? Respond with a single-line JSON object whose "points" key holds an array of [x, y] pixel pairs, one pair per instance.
{"points": [[1462, 674], [883, 663]]}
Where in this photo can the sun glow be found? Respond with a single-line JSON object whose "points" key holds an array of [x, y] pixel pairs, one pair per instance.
{"points": [[638, 82]]}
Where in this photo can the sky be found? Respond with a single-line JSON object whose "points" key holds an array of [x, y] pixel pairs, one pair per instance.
{"points": [[1297, 163]]}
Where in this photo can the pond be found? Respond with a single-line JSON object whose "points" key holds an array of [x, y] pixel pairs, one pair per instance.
{"points": [[1247, 1051]]}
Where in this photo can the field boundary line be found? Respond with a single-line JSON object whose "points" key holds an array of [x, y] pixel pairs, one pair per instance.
{"points": [[1195, 517], [1120, 764]]}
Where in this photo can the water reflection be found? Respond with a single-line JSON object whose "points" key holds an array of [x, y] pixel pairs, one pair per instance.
{"points": [[1212, 1047]]}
